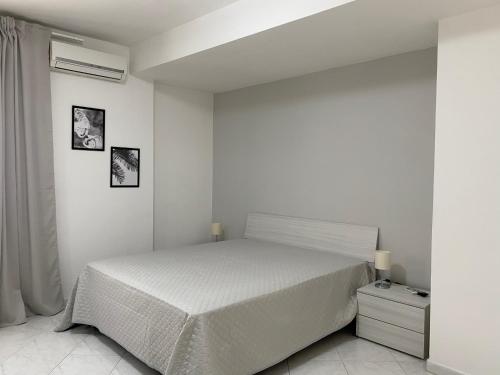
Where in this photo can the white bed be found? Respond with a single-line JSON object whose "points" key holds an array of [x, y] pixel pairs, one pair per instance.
{"points": [[232, 307]]}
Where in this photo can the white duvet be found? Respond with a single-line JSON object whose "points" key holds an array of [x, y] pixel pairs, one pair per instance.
{"points": [[226, 308]]}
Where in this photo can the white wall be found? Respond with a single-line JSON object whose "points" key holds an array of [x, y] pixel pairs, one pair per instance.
{"points": [[183, 166], [95, 221], [465, 323]]}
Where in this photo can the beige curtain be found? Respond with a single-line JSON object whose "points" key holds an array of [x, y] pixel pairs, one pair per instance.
{"points": [[29, 267]]}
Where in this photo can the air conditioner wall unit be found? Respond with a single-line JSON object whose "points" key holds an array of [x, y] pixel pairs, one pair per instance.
{"points": [[74, 59]]}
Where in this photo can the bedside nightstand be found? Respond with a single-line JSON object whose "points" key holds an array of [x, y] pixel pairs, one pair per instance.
{"points": [[394, 317]]}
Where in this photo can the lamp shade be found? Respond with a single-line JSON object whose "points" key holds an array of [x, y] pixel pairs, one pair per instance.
{"points": [[216, 229], [383, 260]]}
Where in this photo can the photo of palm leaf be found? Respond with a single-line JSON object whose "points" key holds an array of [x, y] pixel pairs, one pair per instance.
{"points": [[125, 167]]}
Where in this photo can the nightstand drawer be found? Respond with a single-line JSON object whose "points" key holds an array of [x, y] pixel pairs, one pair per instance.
{"points": [[389, 335], [399, 314]]}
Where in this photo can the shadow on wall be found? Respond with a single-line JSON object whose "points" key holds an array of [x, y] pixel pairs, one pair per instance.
{"points": [[398, 273]]}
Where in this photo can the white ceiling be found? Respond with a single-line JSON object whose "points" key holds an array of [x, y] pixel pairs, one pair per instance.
{"points": [[119, 21], [359, 31], [239, 43]]}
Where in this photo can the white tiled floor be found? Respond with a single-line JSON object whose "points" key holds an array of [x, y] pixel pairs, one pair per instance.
{"points": [[34, 349]]}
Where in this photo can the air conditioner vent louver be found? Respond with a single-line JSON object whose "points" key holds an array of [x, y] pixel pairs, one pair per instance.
{"points": [[70, 58]]}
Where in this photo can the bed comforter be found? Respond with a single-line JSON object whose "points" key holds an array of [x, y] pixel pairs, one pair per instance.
{"points": [[226, 308]]}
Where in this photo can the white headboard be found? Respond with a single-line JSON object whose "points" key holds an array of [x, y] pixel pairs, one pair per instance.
{"points": [[353, 240]]}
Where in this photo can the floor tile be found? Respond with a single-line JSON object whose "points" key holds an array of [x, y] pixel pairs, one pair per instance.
{"points": [[43, 323], [33, 348], [7, 349], [403, 357], [324, 349], [129, 365], [98, 344], [279, 369], [13, 338], [410, 364], [373, 368], [20, 364], [358, 349], [75, 364], [49, 348], [323, 367], [414, 368], [18, 334]]}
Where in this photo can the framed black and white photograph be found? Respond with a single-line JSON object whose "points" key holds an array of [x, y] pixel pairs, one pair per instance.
{"points": [[125, 167], [88, 128]]}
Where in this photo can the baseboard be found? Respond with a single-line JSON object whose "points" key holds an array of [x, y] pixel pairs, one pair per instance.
{"points": [[439, 369]]}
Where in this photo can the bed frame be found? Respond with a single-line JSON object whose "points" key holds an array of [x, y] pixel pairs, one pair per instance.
{"points": [[353, 240]]}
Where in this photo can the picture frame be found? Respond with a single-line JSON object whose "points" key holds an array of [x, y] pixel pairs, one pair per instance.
{"points": [[88, 126], [125, 167]]}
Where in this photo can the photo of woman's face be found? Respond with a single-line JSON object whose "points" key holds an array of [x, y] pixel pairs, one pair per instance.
{"points": [[88, 128], [81, 130], [82, 124]]}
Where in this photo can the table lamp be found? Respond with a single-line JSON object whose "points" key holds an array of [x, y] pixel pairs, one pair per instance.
{"points": [[382, 263], [216, 230]]}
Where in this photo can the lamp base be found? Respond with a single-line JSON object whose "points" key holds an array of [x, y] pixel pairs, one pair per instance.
{"points": [[382, 284]]}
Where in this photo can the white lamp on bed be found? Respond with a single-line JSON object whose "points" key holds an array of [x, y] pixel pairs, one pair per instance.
{"points": [[216, 230], [382, 263]]}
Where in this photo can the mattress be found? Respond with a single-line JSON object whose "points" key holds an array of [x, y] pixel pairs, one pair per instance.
{"points": [[232, 307]]}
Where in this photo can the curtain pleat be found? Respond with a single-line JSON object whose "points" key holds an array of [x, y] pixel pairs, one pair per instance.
{"points": [[29, 266]]}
